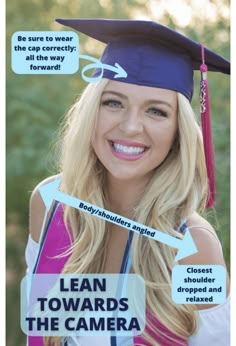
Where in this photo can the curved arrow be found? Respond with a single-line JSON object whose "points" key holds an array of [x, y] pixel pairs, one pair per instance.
{"points": [[97, 64], [120, 72], [50, 192]]}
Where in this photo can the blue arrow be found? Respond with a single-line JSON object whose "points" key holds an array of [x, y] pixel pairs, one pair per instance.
{"points": [[50, 192], [97, 64]]}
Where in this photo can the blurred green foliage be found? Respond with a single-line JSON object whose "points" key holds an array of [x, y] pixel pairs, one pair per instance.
{"points": [[36, 105]]}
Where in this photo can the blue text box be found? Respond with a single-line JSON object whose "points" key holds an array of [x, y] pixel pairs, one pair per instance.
{"points": [[45, 52], [199, 284], [85, 304]]}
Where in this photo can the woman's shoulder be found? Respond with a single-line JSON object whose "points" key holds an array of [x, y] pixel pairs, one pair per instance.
{"points": [[37, 209], [35, 195], [207, 243]]}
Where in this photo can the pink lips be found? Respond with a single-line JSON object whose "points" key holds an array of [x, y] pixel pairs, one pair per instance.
{"points": [[124, 155]]}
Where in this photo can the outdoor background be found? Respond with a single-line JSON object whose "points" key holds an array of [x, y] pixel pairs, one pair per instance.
{"points": [[37, 103]]}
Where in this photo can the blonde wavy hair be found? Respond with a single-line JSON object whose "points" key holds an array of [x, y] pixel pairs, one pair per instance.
{"points": [[177, 188]]}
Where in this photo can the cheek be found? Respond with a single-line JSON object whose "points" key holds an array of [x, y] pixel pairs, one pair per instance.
{"points": [[99, 129], [170, 138], [99, 137], [164, 136], [96, 142], [106, 124]]}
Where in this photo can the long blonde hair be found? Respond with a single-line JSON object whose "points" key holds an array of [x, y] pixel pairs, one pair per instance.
{"points": [[177, 188]]}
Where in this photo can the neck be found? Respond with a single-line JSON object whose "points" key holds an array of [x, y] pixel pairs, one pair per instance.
{"points": [[123, 196]]}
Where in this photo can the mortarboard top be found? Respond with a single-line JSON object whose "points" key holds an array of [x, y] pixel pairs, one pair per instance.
{"points": [[151, 54], [157, 56]]}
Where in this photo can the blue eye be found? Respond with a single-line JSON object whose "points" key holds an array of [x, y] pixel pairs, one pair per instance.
{"points": [[156, 112], [112, 103]]}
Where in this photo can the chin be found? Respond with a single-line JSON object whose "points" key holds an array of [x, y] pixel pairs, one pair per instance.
{"points": [[127, 176]]}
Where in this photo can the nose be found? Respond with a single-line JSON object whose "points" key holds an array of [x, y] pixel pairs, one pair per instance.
{"points": [[131, 123]]}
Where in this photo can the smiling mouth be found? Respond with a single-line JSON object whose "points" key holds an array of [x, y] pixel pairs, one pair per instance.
{"points": [[132, 150]]}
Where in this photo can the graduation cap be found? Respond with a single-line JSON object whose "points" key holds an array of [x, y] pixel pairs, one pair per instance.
{"points": [[157, 56]]}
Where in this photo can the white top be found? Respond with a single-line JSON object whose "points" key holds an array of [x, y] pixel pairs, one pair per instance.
{"points": [[214, 323]]}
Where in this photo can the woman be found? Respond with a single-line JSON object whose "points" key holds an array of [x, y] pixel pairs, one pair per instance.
{"points": [[132, 146]]}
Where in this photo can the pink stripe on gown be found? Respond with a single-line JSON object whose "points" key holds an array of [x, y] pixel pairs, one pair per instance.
{"points": [[57, 241]]}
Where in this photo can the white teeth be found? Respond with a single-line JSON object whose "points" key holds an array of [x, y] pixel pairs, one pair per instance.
{"points": [[128, 150]]}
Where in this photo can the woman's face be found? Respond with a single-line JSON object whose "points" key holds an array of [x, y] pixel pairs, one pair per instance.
{"points": [[135, 129]]}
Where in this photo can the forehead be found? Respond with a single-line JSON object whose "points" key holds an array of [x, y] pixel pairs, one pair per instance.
{"points": [[142, 93]]}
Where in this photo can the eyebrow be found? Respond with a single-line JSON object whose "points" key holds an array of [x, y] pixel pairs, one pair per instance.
{"points": [[124, 97], [116, 94]]}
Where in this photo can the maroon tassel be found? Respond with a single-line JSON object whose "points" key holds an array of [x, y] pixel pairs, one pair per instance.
{"points": [[207, 132]]}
